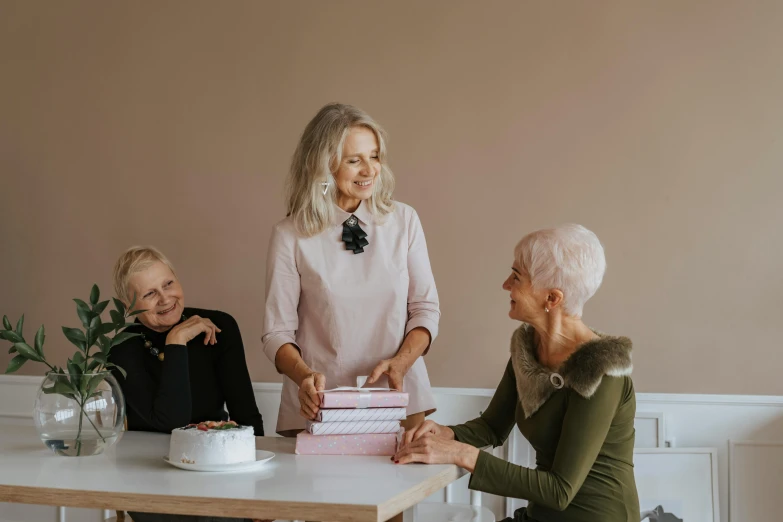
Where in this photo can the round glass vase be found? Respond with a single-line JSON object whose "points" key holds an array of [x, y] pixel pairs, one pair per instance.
{"points": [[80, 415]]}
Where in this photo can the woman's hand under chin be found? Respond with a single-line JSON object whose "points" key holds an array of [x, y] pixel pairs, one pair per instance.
{"points": [[184, 332]]}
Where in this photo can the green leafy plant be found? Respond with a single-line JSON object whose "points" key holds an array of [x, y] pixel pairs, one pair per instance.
{"points": [[80, 377]]}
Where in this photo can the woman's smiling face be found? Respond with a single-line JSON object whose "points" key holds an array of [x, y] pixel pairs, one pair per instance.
{"points": [[358, 169], [158, 291]]}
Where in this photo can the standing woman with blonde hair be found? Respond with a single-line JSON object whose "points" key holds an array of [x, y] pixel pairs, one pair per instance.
{"points": [[349, 288]]}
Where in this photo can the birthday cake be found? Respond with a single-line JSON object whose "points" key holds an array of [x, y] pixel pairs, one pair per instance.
{"points": [[210, 443]]}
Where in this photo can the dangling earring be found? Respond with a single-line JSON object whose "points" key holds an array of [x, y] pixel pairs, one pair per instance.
{"points": [[546, 309], [325, 185]]}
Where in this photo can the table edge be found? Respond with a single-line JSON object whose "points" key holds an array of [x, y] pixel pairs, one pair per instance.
{"points": [[416, 494], [207, 506]]}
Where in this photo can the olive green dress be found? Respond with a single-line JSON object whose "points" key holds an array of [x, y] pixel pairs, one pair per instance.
{"points": [[579, 420]]}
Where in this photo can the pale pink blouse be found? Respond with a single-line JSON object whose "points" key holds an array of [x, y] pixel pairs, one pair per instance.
{"points": [[347, 312]]}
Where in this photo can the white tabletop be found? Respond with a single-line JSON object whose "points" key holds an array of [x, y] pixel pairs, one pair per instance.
{"points": [[132, 476]]}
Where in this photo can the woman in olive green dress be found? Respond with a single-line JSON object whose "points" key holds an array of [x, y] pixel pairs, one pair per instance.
{"points": [[567, 387]]}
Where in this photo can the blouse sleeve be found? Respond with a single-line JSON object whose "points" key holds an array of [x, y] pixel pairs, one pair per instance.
{"points": [[495, 424], [164, 405], [423, 305], [585, 426], [281, 319]]}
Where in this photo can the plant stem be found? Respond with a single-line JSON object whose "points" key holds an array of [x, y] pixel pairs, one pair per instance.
{"points": [[93, 425], [91, 422], [79, 433], [87, 353]]}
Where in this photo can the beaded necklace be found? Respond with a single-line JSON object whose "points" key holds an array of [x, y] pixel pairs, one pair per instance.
{"points": [[154, 350]]}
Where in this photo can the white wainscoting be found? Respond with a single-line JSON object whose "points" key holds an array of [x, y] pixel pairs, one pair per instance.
{"points": [[754, 423], [755, 479]]}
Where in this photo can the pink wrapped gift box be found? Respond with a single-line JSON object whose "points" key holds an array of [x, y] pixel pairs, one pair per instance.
{"points": [[378, 444], [355, 427], [363, 399], [352, 415]]}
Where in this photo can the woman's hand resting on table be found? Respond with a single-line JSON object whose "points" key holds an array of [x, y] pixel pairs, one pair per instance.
{"points": [[427, 427], [431, 443]]}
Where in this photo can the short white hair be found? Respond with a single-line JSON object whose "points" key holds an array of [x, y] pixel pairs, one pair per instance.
{"points": [[569, 258], [135, 259]]}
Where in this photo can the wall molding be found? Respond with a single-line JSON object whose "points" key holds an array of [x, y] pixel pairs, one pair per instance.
{"points": [[660, 426], [714, 474], [733, 486], [709, 399], [641, 397], [17, 389]]}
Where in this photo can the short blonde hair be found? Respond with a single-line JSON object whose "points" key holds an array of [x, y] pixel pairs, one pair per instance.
{"points": [[569, 258], [317, 157], [135, 259]]}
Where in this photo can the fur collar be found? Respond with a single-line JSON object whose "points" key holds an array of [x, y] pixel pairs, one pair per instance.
{"points": [[582, 371]]}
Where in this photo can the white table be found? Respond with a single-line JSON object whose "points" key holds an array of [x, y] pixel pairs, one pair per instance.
{"points": [[132, 476]]}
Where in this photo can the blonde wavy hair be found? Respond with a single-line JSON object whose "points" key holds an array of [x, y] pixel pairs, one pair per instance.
{"points": [[316, 159], [133, 260]]}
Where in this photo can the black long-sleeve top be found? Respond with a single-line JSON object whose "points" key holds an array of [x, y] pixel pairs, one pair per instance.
{"points": [[192, 383]]}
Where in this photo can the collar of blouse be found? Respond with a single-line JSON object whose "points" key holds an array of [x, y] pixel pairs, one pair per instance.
{"points": [[363, 213], [582, 371]]}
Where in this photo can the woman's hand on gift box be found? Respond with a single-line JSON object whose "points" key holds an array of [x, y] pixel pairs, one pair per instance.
{"points": [[395, 368], [413, 346], [309, 399]]}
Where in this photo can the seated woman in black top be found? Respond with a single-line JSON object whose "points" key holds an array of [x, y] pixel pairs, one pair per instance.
{"points": [[187, 363]]}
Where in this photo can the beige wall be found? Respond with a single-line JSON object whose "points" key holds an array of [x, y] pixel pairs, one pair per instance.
{"points": [[656, 124]]}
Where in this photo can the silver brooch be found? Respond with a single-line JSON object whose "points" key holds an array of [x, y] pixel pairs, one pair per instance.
{"points": [[352, 221], [557, 380]]}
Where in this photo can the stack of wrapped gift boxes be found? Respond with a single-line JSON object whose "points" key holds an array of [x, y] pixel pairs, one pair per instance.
{"points": [[355, 421]]}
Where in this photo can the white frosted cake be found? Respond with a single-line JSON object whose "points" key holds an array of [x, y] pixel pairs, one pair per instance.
{"points": [[212, 443]]}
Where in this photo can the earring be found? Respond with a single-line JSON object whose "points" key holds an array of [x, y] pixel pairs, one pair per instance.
{"points": [[546, 309], [325, 185]]}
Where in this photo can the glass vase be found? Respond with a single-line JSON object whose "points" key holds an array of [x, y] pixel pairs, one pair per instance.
{"points": [[80, 414]]}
